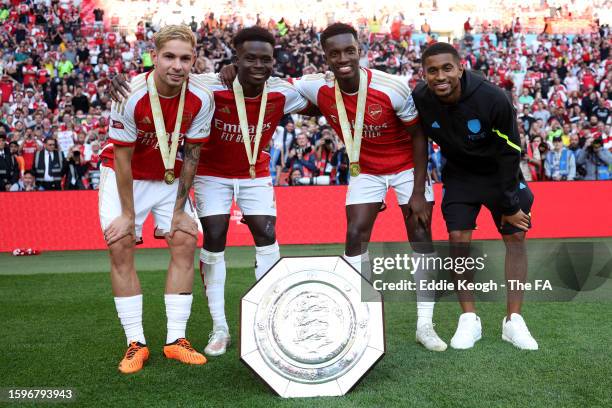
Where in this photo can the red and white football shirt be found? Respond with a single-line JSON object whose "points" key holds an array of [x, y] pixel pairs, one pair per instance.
{"points": [[132, 125], [386, 145], [224, 154], [29, 149]]}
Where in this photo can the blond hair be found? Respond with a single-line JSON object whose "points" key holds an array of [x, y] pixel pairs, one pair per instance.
{"points": [[173, 32]]}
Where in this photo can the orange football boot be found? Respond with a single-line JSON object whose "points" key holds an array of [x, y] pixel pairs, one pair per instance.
{"points": [[134, 359], [182, 351]]}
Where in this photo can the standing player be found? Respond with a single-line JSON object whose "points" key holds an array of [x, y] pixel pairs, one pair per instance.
{"points": [[233, 167], [138, 177], [475, 125], [376, 116]]}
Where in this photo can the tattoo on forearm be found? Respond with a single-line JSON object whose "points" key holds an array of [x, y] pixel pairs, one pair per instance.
{"points": [[190, 164]]}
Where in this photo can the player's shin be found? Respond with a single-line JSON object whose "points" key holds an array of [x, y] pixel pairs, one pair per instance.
{"points": [[265, 257], [129, 310], [178, 310], [214, 271], [425, 272], [361, 263]]}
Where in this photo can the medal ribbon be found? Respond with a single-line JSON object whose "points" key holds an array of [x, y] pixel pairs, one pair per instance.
{"points": [[244, 123], [353, 142], [168, 157]]}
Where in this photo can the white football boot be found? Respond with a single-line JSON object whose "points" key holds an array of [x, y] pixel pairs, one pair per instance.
{"points": [[427, 336], [515, 331], [218, 342], [469, 331]]}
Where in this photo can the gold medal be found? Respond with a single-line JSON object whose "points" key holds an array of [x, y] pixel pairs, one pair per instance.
{"points": [[253, 152], [168, 153], [352, 140], [169, 176]]}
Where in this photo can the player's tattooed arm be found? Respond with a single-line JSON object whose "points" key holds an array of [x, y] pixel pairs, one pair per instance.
{"points": [[181, 221], [119, 89]]}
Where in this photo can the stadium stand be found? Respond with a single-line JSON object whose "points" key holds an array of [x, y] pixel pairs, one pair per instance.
{"points": [[57, 57]]}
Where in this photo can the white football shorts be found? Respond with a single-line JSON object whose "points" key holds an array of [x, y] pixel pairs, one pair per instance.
{"points": [[369, 188], [214, 195], [150, 196]]}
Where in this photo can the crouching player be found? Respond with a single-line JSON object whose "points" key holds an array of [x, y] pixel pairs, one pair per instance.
{"points": [[138, 177]]}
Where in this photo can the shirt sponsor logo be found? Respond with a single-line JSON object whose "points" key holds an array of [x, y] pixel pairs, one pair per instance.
{"points": [[117, 125]]}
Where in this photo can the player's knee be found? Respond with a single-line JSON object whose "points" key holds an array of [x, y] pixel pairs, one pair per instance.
{"points": [[215, 236], [356, 234], [460, 236], [182, 242]]}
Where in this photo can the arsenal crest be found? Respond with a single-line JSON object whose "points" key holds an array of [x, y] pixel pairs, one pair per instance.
{"points": [[375, 110]]}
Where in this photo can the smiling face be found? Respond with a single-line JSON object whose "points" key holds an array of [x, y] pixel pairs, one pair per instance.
{"points": [[443, 75], [342, 55], [173, 62], [255, 61]]}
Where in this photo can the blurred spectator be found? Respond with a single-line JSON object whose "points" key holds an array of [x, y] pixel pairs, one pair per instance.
{"points": [[560, 163], [49, 166], [302, 157], [17, 158], [9, 170], [282, 140], [595, 159], [325, 148], [27, 183], [75, 170]]}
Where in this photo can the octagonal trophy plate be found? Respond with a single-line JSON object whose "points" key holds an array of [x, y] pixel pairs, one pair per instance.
{"points": [[311, 326]]}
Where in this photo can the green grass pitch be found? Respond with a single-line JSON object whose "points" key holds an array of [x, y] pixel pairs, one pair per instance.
{"points": [[60, 329]]}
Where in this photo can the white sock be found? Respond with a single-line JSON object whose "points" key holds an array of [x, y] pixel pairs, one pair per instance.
{"points": [[178, 309], [425, 298], [360, 262], [129, 310], [265, 257], [214, 279]]}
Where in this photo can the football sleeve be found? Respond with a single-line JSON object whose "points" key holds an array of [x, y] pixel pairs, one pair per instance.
{"points": [[200, 127], [122, 129], [308, 86], [294, 101], [405, 107]]}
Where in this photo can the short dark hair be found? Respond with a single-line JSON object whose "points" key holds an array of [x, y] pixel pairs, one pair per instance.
{"points": [[337, 29], [254, 33], [439, 48]]}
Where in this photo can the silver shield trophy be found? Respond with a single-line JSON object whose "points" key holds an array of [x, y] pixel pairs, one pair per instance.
{"points": [[311, 326]]}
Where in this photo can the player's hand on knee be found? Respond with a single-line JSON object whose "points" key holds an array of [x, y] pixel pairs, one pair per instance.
{"points": [[519, 220], [119, 228], [181, 221], [419, 209]]}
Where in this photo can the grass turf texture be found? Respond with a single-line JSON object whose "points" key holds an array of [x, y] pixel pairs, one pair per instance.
{"points": [[61, 330]]}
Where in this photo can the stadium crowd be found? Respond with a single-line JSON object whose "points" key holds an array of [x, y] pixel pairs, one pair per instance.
{"points": [[56, 60]]}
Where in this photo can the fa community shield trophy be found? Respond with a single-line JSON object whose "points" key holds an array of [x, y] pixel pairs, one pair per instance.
{"points": [[311, 326]]}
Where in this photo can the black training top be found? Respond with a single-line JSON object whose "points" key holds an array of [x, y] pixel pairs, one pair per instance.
{"points": [[478, 135]]}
